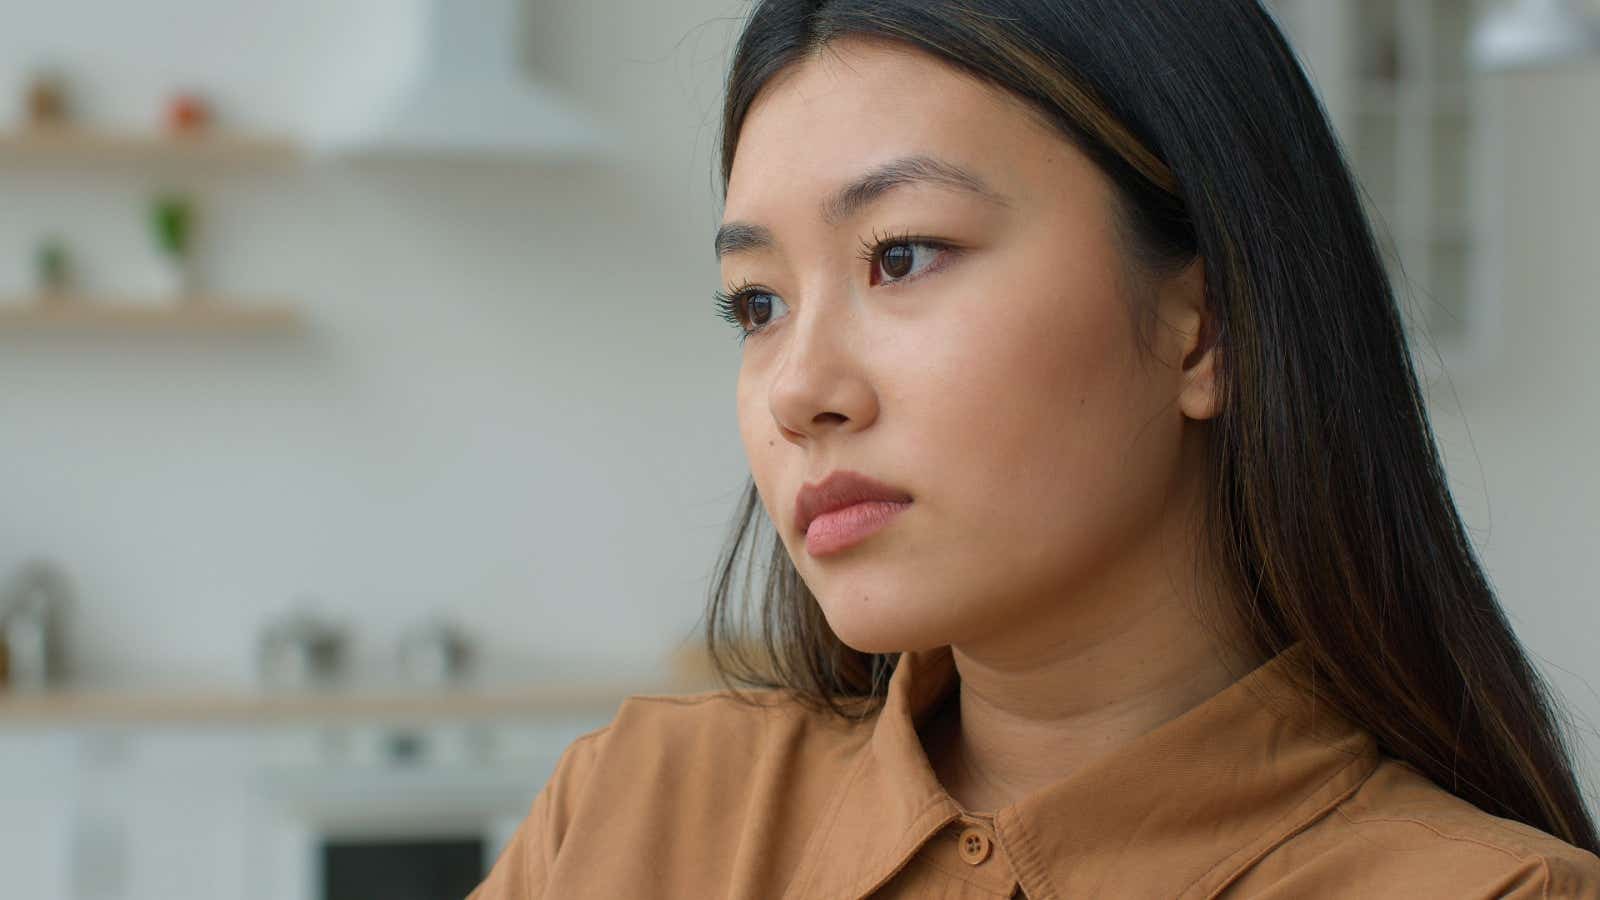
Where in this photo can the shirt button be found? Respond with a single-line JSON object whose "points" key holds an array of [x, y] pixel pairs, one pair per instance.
{"points": [[975, 846]]}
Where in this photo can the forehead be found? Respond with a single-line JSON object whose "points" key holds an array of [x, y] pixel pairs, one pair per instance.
{"points": [[858, 103]]}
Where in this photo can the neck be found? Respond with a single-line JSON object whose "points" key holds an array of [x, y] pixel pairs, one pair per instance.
{"points": [[1034, 707], [1092, 668]]}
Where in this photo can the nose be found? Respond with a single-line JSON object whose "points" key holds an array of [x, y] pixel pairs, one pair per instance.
{"points": [[823, 383]]}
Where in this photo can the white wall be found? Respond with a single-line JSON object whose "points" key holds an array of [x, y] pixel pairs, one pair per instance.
{"points": [[517, 406], [1520, 432]]}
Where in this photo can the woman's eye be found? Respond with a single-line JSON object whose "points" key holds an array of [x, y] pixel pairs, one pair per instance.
{"points": [[904, 259], [759, 308], [748, 309]]}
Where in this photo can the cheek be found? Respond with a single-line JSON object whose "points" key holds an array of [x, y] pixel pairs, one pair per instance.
{"points": [[1038, 404], [763, 445], [752, 429]]}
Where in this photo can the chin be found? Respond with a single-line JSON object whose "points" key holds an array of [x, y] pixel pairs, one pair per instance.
{"points": [[886, 627]]}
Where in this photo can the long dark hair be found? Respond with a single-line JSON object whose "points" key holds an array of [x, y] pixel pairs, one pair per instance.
{"points": [[1328, 516]]}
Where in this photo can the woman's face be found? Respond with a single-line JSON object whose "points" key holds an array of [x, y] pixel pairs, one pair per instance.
{"points": [[983, 361]]}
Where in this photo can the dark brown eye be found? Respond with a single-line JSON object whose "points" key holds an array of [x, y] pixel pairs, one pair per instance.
{"points": [[897, 260], [760, 309], [747, 308]]}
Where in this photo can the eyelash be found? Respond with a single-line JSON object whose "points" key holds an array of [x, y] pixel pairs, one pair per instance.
{"points": [[730, 303]]}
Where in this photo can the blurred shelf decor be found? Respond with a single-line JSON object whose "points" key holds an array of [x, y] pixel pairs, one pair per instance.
{"points": [[305, 680], [33, 609], [51, 134], [348, 700], [199, 315], [186, 140]]}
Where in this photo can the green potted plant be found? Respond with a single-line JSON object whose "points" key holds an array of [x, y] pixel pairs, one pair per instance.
{"points": [[172, 225], [52, 270]]}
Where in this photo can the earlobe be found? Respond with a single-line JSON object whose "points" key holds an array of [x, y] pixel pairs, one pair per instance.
{"points": [[1200, 398]]}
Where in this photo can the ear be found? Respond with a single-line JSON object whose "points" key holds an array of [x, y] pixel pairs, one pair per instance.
{"points": [[1195, 332]]}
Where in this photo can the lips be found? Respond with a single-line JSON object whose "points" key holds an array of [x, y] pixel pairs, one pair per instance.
{"points": [[839, 490]]}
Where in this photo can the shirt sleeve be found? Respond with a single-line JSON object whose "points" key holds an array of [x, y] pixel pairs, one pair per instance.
{"points": [[520, 872], [1566, 877], [523, 869]]}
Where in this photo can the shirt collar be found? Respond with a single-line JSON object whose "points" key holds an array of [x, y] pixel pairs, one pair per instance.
{"points": [[1178, 812]]}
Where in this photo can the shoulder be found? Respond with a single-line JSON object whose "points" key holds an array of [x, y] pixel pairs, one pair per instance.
{"points": [[675, 779], [664, 751], [1405, 807], [689, 784], [724, 722], [1400, 834]]}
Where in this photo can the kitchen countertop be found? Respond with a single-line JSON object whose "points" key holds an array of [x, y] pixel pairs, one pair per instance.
{"points": [[246, 705]]}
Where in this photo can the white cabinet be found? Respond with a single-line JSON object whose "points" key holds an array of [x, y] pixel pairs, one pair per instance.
{"points": [[37, 774], [136, 812]]}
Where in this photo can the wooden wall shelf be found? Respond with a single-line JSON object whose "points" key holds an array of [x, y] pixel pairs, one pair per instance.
{"points": [[205, 315], [248, 706], [72, 145]]}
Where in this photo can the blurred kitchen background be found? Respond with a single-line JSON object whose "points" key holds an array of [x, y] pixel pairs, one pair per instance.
{"points": [[368, 433]]}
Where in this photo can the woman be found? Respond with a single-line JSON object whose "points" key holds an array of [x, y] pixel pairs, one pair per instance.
{"points": [[1112, 554]]}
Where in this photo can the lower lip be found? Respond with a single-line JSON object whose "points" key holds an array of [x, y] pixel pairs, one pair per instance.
{"points": [[844, 528]]}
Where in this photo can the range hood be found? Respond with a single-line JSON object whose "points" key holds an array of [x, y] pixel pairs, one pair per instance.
{"points": [[1533, 33], [463, 95]]}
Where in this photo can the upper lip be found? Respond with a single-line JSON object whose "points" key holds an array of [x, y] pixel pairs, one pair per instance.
{"points": [[837, 491]]}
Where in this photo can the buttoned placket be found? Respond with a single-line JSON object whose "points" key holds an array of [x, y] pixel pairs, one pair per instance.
{"points": [[968, 849]]}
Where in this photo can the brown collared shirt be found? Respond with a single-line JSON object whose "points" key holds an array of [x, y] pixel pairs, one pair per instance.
{"points": [[1259, 792]]}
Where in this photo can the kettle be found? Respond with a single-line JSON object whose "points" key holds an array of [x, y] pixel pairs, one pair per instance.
{"points": [[31, 615], [302, 649]]}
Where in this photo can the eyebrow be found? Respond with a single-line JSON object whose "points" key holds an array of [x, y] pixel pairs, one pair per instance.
{"points": [[849, 200]]}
